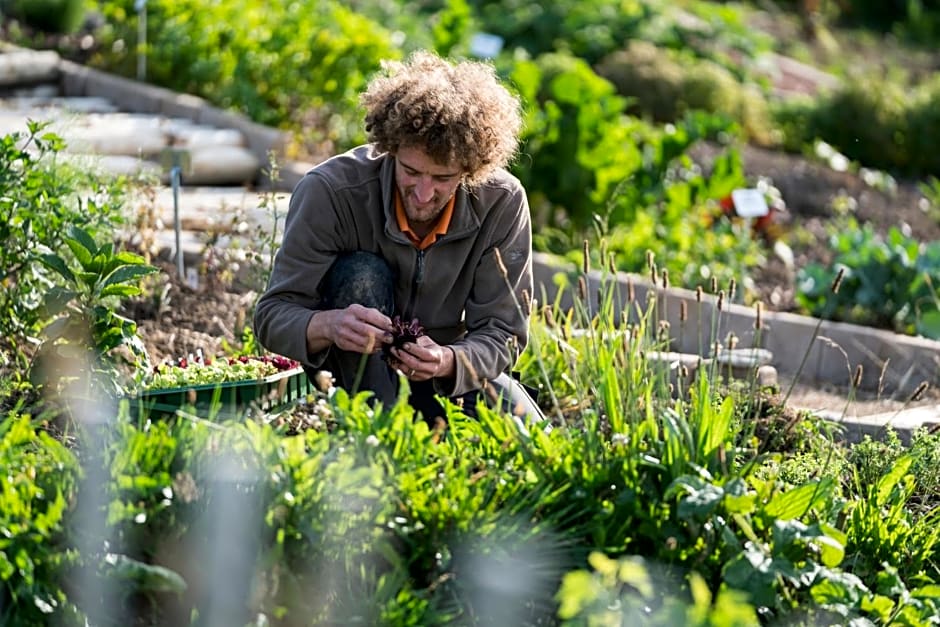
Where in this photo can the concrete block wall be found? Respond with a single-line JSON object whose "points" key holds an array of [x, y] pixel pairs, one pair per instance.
{"points": [[821, 351]]}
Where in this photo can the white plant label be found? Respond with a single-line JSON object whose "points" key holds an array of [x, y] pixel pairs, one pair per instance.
{"points": [[749, 203]]}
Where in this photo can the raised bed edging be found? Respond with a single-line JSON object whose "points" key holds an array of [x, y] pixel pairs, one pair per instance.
{"points": [[892, 363]]}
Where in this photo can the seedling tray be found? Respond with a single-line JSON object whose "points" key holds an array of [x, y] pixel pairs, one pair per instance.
{"points": [[230, 399]]}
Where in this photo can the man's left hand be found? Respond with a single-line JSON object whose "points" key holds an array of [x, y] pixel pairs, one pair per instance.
{"points": [[424, 359]]}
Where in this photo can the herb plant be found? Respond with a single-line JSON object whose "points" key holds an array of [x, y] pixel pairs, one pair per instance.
{"points": [[86, 329]]}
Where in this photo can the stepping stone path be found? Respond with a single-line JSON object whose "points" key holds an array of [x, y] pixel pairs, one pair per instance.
{"points": [[96, 131], [216, 192]]}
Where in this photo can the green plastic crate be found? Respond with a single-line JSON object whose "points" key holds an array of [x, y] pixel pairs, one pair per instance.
{"points": [[226, 400]]}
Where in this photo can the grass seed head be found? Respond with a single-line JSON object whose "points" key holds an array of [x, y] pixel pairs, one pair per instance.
{"points": [[857, 378], [919, 392], [837, 282]]}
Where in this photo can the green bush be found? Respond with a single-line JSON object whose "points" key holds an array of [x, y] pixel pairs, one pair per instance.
{"points": [[648, 76], [664, 85], [578, 145], [40, 199], [866, 121], [51, 16], [588, 29], [877, 122], [923, 128], [887, 282], [287, 64]]}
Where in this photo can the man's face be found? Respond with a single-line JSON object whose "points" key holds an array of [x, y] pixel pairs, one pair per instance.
{"points": [[425, 185]]}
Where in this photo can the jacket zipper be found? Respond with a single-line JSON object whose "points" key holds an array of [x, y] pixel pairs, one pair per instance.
{"points": [[416, 279]]}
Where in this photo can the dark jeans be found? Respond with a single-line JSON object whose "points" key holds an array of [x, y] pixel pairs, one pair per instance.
{"points": [[366, 279]]}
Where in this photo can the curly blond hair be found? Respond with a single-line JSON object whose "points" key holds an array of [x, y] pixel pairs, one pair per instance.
{"points": [[456, 112]]}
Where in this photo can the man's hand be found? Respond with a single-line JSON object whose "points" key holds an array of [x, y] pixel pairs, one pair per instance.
{"points": [[424, 359], [356, 328]]}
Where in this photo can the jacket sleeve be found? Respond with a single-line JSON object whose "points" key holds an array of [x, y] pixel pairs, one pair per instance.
{"points": [[309, 246], [496, 314]]}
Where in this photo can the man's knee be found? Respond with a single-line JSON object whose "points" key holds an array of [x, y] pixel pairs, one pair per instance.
{"points": [[361, 278]]}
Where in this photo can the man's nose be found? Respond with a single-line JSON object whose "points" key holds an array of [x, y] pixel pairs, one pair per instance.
{"points": [[424, 190]]}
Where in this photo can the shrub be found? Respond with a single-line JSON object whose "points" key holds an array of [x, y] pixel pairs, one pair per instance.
{"points": [[887, 282], [923, 128], [40, 198], [287, 64], [664, 85], [648, 76], [578, 144], [588, 29], [865, 120], [52, 16], [877, 122]]}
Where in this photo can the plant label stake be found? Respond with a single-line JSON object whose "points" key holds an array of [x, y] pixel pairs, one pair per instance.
{"points": [[177, 160], [141, 7]]}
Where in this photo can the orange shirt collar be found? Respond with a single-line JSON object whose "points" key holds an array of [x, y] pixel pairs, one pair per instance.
{"points": [[440, 227]]}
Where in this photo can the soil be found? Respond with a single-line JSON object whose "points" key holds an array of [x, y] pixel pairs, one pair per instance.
{"points": [[812, 191]]}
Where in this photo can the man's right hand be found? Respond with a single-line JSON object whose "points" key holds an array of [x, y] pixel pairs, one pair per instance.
{"points": [[356, 328]]}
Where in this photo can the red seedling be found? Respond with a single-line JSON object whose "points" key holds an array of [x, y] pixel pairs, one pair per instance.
{"points": [[402, 333]]}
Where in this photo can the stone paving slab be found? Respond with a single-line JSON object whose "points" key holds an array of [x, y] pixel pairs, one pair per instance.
{"points": [[905, 422]]}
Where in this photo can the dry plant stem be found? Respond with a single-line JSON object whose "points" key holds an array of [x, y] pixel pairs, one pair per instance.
{"points": [[483, 383], [698, 304], [915, 395], [714, 343], [834, 288]]}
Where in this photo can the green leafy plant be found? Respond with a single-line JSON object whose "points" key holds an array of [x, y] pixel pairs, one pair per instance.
{"points": [[284, 64], [86, 330], [888, 283], [631, 590], [38, 486], [880, 529], [40, 197], [187, 372]]}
